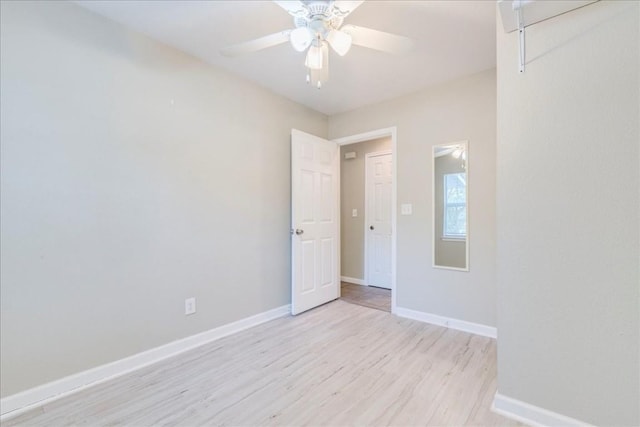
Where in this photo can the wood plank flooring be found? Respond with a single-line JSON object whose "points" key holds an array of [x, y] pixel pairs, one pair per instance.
{"points": [[368, 296], [339, 364]]}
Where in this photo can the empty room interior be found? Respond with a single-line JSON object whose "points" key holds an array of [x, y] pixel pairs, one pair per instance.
{"points": [[320, 213]]}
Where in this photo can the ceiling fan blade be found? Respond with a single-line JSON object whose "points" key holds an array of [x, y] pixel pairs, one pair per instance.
{"points": [[345, 7], [293, 7], [256, 44], [379, 40]]}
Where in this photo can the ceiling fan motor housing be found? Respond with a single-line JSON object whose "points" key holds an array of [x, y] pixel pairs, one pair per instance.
{"points": [[320, 17], [319, 8]]}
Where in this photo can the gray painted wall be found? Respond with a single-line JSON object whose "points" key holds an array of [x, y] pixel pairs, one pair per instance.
{"points": [[352, 181], [569, 215], [118, 204], [460, 110], [448, 253]]}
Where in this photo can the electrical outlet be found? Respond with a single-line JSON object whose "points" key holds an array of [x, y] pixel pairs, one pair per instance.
{"points": [[189, 306]]}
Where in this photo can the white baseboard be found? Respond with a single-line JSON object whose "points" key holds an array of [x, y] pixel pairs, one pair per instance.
{"points": [[18, 403], [353, 280], [460, 325], [531, 414]]}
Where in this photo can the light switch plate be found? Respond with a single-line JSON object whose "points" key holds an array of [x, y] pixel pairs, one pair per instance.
{"points": [[354, 213], [406, 209], [189, 306]]}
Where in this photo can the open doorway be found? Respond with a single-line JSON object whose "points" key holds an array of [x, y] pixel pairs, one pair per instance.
{"points": [[367, 219]]}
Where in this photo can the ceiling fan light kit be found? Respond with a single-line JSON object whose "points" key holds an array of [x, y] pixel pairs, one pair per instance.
{"points": [[339, 41], [301, 39], [313, 60], [319, 25], [316, 77]]}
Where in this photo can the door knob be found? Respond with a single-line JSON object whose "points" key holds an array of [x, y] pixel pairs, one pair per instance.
{"points": [[371, 227], [299, 231]]}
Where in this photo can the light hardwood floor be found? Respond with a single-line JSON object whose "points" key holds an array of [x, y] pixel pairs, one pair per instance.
{"points": [[339, 364], [368, 296]]}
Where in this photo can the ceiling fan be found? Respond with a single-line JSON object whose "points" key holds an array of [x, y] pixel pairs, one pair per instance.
{"points": [[319, 24]]}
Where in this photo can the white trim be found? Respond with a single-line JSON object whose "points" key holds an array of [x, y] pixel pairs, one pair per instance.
{"points": [[531, 414], [460, 325], [443, 267], [378, 153], [19, 403], [367, 136], [353, 280]]}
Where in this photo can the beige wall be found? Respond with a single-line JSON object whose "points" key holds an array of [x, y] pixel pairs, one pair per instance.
{"points": [[133, 177], [352, 188], [460, 110], [569, 215]]}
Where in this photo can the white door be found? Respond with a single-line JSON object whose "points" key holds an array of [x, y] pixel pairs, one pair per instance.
{"points": [[314, 221], [378, 185]]}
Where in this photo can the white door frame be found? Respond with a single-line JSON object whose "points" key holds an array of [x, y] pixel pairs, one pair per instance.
{"points": [[367, 136], [367, 278]]}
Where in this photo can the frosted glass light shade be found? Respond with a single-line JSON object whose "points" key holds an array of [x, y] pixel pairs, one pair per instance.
{"points": [[339, 41], [300, 38], [317, 78], [314, 58]]}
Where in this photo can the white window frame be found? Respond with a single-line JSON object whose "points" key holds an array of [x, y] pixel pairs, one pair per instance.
{"points": [[446, 205]]}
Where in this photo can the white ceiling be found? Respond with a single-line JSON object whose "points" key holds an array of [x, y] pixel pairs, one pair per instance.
{"points": [[453, 39]]}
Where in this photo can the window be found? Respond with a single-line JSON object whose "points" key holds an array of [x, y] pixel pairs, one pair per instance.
{"points": [[455, 206]]}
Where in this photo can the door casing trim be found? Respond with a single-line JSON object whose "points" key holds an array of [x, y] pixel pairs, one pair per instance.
{"points": [[367, 136]]}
